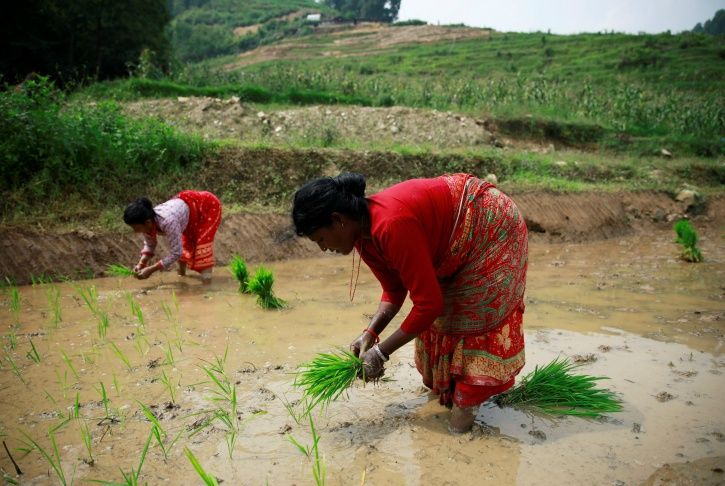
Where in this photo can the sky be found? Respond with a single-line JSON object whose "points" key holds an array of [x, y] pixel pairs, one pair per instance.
{"points": [[565, 16]]}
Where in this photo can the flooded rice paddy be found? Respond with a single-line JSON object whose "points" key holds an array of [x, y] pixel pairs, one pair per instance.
{"points": [[626, 309]]}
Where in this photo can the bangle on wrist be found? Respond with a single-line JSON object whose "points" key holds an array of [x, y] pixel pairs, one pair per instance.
{"points": [[373, 334], [380, 353]]}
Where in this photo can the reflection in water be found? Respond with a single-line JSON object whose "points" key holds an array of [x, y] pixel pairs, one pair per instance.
{"points": [[650, 323]]}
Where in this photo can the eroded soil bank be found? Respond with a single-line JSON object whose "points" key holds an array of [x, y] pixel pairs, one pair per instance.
{"points": [[624, 307], [551, 217]]}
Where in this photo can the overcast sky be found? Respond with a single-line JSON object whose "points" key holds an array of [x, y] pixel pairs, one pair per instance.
{"points": [[565, 16]]}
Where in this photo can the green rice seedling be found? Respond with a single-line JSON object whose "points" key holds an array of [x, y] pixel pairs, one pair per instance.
{"points": [[141, 343], [50, 397], [52, 294], [104, 399], [76, 410], [131, 478], [158, 432], [208, 479], [55, 428], [169, 355], [238, 267], [69, 364], [170, 387], [15, 303], [305, 450], [116, 385], [136, 309], [52, 457], [9, 479], [33, 354], [90, 297], [87, 439], [687, 237], [14, 367], [554, 390], [318, 465], [62, 381], [261, 284], [327, 377], [116, 270], [167, 311], [117, 351], [12, 339], [232, 431], [103, 323]]}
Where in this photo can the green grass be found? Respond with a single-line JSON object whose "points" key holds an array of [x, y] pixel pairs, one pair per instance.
{"points": [[261, 285], [554, 390], [663, 88], [66, 155], [326, 377]]}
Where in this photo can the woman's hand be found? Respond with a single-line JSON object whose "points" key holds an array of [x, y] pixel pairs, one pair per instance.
{"points": [[373, 364], [145, 273], [362, 344], [141, 264]]}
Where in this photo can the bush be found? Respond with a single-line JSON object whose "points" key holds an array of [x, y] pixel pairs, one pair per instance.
{"points": [[92, 151]]}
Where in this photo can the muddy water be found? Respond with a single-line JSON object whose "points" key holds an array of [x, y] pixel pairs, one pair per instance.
{"points": [[652, 324]]}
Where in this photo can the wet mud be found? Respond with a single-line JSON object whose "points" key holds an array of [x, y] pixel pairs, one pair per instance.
{"points": [[626, 308]]}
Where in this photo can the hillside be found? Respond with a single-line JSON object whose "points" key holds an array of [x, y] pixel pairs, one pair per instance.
{"points": [[207, 28]]}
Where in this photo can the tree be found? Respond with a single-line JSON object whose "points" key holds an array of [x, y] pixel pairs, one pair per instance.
{"points": [[81, 38], [715, 26], [374, 10]]}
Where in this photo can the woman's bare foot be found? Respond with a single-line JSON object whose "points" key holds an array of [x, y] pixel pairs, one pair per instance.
{"points": [[182, 269], [461, 420], [206, 276]]}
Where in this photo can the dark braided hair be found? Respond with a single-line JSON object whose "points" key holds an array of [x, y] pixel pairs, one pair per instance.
{"points": [[139, 211], [315, 201]]}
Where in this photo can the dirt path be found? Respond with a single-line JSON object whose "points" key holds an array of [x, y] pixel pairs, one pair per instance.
{"points": [[554, 217]]}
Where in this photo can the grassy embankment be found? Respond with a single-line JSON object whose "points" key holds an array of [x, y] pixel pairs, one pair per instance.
{"points": [[626, 93], [80, 162]]}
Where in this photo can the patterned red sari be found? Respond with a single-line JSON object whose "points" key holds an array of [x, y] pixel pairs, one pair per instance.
{"points": [[476, 348], [205, 215]]}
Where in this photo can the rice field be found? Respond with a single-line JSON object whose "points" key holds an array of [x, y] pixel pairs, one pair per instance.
{"points": [[165, 380]]}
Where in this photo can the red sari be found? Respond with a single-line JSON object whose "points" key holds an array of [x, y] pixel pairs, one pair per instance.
{"points": [[205, 215], [476, 348], [471, 346]]}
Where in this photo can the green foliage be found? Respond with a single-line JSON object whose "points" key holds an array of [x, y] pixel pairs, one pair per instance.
{"points": [[372, 10], [714, 26], [205, 28], [50, 152], [327, 377], [238, 267], [554, 390], [261, 284], [687, 237], [83, 38]]}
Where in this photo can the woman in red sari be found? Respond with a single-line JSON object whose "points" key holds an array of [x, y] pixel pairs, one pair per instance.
{"points": [[458, 246], [188, 221]]}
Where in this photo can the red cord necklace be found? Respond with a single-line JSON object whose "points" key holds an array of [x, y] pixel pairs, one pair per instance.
{"points": [[352, 289]]}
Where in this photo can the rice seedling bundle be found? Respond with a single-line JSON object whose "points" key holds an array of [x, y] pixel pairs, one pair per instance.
{"points": [[554, 390], [326, 377], [119, 270], [261, 284], [238, 267], [687, 237]]}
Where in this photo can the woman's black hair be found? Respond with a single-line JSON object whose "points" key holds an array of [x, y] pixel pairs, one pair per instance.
{"points": [[139, 211], [315, 201]]}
